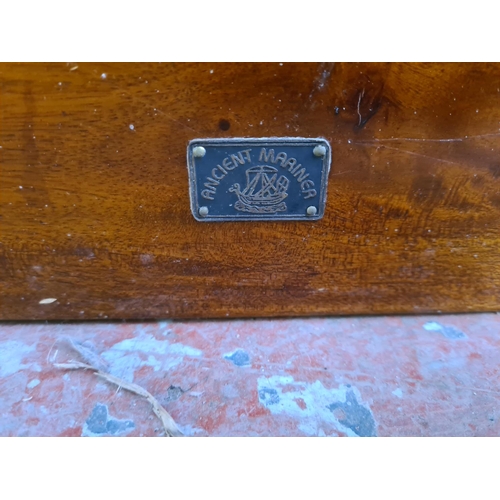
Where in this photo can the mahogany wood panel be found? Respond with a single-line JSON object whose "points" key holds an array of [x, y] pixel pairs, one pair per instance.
{"points": [[94, 197]]}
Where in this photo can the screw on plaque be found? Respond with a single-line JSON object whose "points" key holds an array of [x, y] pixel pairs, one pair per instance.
{"points": [[319, 151], [311, 211], [199, 152], [203, 211]]}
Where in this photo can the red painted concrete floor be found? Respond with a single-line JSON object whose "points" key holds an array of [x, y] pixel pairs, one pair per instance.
{"points": [[373, 376]]}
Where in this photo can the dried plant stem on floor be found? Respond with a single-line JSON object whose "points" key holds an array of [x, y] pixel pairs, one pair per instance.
{"points": [[168, 422]]}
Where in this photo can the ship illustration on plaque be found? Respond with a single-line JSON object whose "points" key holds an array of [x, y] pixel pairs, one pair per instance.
{"points": [[264, 192]]}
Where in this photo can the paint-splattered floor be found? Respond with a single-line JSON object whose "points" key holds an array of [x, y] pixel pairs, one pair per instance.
{"points": [[385, 376]]}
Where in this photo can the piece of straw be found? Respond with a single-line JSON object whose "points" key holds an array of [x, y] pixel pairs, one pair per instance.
{"points": [[167, 421]]}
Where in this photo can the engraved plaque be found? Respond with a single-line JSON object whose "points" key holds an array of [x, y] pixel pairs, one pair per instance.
{"points": [[258, 179]]}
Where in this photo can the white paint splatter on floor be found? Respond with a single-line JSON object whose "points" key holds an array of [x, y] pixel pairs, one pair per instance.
{"points": [[398, 393], [12, 354], [33, 383], [449, 332], [432, 326], [127, 356], [316, 407]]}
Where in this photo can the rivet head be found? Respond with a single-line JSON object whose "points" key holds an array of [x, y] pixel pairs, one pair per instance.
{"points": [[311, 210], [319, 151], [199, 151], [203, 211]]}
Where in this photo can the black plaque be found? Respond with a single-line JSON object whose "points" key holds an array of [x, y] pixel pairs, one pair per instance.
{"points": [[258, 179]]}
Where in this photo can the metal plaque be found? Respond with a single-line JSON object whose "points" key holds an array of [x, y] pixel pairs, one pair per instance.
{"points": [[258, 179]]}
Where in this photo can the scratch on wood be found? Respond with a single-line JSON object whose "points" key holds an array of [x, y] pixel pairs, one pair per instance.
{"points": [[340, 173], [163, 113], [326, 70], [414, 139], [423, 156], [359, 103], [173, 119]]}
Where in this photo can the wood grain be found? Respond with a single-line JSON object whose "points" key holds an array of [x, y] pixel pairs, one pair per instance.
{"points": [[96, 214]]}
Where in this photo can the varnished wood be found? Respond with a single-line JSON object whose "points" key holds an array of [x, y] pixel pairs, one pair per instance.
{"points": [[96, 215]]}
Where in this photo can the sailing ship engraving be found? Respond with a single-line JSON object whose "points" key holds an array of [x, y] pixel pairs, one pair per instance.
{"points": [[264, 192]]}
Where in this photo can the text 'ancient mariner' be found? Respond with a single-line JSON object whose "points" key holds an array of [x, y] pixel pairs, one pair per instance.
{"points": [[272, 190]]}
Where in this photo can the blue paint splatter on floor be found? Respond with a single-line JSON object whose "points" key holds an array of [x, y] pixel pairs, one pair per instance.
{"points": [[101, 423], [354, 416], [238, 357], [452, 333], [269, 396], [449, 332]]}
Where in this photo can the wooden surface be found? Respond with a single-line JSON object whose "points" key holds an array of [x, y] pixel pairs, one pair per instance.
{"points": [[96, 214]]}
